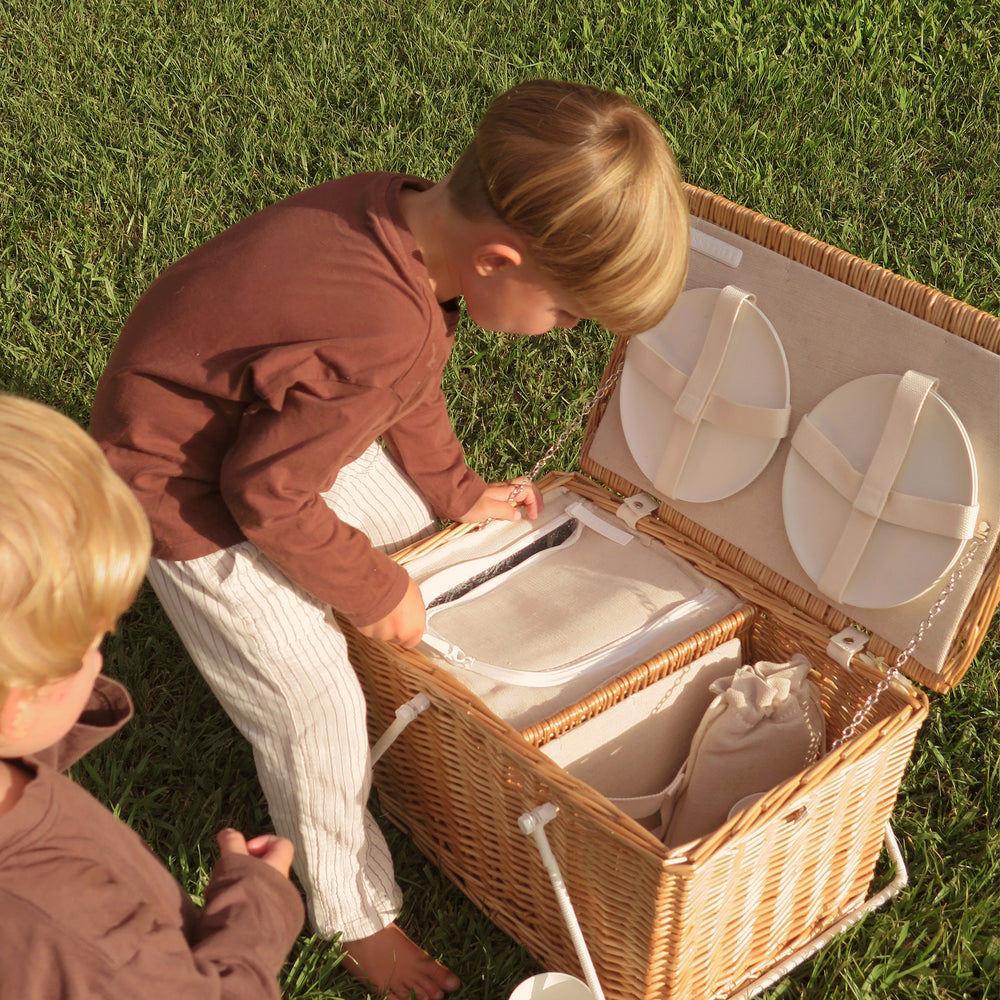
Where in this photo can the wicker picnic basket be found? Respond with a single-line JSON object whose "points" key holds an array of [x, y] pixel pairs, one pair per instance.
{"points": [[730, 913]]}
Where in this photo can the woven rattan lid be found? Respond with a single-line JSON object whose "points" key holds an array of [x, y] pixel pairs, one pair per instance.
{"points": [[839, 319]]}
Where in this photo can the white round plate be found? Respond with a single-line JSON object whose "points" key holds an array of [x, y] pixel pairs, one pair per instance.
{"points": [[754, 372], [898, 563]]}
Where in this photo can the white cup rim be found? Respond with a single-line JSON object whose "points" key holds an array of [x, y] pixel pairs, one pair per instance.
{"points": [[533, 987]]}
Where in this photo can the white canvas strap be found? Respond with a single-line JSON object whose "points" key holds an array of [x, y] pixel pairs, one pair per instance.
{"points": [[694, 396], [596, 523], [939, 517], [642, 807], [690, 406], [869, 501], [758, 421], [871, 493]]}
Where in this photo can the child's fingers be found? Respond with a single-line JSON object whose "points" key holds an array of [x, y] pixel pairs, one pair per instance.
{"points": [[507, 501], [522, 492], [531, 500], [273, 850], [231, 842], [502, 510], [406, 622], [262, 843]]}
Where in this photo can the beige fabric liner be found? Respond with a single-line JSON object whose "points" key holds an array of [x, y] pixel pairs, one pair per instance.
{"points": [[563, 606], [833, 334], [636, 747], [565, 603]]}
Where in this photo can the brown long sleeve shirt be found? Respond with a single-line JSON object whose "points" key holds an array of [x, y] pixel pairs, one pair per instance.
{"points": [[88, 913], [252, 370]]}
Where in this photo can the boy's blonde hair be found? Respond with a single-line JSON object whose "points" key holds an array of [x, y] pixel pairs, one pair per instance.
{"points": [[74, 544], [587, 179]]}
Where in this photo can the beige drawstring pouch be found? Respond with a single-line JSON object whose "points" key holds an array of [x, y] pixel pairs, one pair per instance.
{"points": [[764, 726]]}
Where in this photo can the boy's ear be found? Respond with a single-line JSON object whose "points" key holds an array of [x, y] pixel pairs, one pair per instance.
{"points": [[15, 714], [489, 258]]}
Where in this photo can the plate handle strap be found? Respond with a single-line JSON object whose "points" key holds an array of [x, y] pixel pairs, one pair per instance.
{"points": [[697, 393], [744, 418], [869, 501], [935, 517]]}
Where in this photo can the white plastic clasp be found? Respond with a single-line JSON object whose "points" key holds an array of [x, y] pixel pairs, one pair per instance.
{"points": [[633, 508], [529, 822], [843, 646], [405, 714]]}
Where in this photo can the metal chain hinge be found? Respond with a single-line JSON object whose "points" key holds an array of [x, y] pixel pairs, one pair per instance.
{"points": [[894, 671], [602, 393]]}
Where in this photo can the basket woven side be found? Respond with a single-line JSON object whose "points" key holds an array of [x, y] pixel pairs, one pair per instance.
{"points": [[777, 884], [660, 925]]}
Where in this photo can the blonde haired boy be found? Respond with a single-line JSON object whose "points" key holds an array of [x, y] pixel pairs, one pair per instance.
{"points": [[253, 383], [85, 909]]}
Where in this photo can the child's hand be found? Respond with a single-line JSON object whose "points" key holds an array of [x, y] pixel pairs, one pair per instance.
{"points": [[406, 622], [496, 502], [272, 850]]}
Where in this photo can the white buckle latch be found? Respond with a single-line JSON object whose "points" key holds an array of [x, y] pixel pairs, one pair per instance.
{"points": [[633, 508], [843, 646]]}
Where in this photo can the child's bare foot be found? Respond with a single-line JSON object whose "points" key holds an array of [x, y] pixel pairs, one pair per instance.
{"points": [[391, 962]]}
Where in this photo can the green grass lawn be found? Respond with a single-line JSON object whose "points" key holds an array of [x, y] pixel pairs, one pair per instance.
{"points": [[131, 132]]}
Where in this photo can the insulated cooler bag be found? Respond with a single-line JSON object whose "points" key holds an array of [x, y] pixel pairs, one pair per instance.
{"points": [[801, 459]]}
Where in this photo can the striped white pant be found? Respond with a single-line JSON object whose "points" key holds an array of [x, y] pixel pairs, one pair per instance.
{"points": [[278, 663]]}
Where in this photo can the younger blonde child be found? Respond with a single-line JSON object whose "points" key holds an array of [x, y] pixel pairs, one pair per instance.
{"points": [[86, 910]]}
